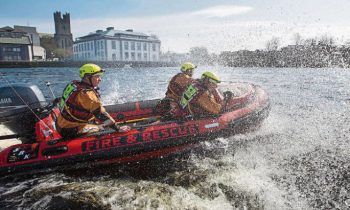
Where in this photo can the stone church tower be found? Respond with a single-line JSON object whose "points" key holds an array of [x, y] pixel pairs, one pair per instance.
{"points": [[63, 36]]}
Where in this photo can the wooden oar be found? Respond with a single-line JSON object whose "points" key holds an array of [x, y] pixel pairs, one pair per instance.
{"points": [[141, 119]]}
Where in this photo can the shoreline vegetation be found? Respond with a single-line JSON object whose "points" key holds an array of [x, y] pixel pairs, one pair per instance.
{"points": [[296, 56], [317, 52]]}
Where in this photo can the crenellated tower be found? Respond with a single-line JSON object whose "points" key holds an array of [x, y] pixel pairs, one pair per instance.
{"points": [[63, 36]]}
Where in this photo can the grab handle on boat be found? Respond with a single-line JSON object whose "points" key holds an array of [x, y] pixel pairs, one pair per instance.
{"points": [[12, 136], [55, 150]]}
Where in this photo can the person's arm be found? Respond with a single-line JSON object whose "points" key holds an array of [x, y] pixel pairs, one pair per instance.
{"points": [[94, 105], [208, 103], [89, 101], [218, 96]]}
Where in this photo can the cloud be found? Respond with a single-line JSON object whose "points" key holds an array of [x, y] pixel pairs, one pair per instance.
{"points": [[180, 31], [223, 11]]}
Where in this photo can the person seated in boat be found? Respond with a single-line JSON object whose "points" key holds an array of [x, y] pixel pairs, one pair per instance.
{"points": [[201, 98], [80, 105], [176, 87]]}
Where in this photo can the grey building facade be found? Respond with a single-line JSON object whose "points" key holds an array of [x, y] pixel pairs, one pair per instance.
{"points": [[15, 45], [39, 52]]}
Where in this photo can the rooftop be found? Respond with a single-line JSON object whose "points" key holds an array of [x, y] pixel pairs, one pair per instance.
{"points": [[9, 29], [28, 29], [110, 32], [17, 40]]}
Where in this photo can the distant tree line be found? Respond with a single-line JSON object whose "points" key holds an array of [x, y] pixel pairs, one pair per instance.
{"points": [[312, 52], [52, 51], [315, 52]]}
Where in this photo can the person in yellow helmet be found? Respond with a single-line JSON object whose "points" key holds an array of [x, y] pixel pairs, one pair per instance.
{"points": [[177, 86], [80, 105], [201, 97]]}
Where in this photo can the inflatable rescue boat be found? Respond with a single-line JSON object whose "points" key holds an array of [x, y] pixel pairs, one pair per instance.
{"points": [[23, 110]]}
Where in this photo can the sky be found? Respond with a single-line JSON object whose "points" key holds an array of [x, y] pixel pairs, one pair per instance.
{"points": [[218, 25]]}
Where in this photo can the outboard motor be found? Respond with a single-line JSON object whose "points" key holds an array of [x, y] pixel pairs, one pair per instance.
{"points": [[19, 103]]}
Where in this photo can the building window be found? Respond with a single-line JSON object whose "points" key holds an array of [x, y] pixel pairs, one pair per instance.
{"points": [[102, 45], [98, 45], [154, 47], [88, 46], [114, 46], [145, 46], [133, 56], [92, 46], [138, 56], [145, 56], [114, 57], [102, 54], [126, 56], [132, 45], [138, 45], [126, 46], [154, 57]]}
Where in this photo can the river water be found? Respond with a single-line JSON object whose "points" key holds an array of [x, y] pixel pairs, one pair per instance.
{"points": [[299, 159]]}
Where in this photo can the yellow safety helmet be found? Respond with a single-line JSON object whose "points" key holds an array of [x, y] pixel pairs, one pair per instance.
{"points": [[187, 66], [211, 76], [90, 69]]}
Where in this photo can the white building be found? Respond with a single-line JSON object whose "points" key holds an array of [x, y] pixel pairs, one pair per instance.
{"points": [[117, 45]]}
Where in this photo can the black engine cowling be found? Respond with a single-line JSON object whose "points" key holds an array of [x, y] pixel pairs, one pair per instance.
{"points": [[19, 103]]}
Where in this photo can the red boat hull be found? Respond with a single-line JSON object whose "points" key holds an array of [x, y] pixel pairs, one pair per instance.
{"points": [[248, 110]]}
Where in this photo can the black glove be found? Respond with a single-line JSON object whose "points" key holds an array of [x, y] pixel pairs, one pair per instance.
{"points": [[115, 127], [121, 129], [227, 95]]}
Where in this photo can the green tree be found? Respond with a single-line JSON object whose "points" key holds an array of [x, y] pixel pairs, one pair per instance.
{"points": [[49, 44], [199, 55]]}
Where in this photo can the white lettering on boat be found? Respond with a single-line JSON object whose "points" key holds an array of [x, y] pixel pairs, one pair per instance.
{"points": [[5, 100]]}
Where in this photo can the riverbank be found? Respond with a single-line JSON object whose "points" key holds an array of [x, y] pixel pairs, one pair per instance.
{"points": [[105, 64]]}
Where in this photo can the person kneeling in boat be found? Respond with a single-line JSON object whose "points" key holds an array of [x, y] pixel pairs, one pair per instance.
{"points": [[176, 87], [80, 105], [201, 98]]}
